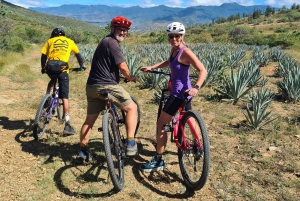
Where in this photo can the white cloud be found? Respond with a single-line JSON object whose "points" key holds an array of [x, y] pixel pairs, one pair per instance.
{"points": [[27, 3], [175, 3], [279, 3], [218, 2]]}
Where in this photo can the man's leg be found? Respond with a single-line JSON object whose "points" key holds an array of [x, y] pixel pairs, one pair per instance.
{"points": [[84, 155], [131, 119], [131, 122], [86, 129]]}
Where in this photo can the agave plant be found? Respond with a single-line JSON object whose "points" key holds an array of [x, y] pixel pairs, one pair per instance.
{"points": [[133, 61], [289, 87], [257, 115], [236, 86], [212, 64], [286, 64], [276, 53]]}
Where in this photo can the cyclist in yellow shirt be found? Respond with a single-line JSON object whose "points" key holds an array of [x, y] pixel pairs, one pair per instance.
{"points": [[54, 60]]}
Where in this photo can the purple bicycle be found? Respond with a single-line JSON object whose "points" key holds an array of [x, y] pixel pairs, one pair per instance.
{"points": [[49, 105], [46, 110]]}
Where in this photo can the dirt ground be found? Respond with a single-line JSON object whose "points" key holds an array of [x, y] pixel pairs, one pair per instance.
{"points": [[44, 170]]}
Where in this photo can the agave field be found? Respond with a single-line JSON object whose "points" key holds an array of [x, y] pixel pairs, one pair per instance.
{"points": [[233, 72]]}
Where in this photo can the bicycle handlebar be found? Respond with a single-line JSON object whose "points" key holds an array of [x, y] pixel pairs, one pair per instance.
{"points": [[164, 73]]}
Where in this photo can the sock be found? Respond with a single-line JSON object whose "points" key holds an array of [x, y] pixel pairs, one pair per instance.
{"points": [[130, 141], [158, 156], [67, 117]]}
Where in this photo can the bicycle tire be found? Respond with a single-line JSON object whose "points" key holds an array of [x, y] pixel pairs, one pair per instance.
{"points": [[40, 121], [193, 178], [122, 116], [60, 110], [113, 152]]}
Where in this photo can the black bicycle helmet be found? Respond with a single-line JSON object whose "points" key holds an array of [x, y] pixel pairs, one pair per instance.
{"points": [[57, 32]]}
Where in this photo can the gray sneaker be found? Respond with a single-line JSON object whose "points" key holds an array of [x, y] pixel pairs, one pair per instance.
{"points": [[131, 150], [84, 156], [69, 130]]}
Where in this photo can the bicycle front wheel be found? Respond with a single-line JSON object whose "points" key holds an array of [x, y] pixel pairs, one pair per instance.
{"points": [[194, 154], [113, 152], [42, 117]]}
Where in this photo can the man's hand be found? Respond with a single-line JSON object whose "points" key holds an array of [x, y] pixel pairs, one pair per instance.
{"points": [[43, 70], [132, 78]]}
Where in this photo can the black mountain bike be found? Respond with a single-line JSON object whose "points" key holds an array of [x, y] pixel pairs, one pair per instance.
{"points": [[114, 141]]}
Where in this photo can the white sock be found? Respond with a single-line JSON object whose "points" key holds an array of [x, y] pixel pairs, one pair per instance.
{"points": [[67, 117]]}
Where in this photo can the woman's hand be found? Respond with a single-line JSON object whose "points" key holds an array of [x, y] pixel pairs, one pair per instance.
{"points": [[192, 92], [146, 69]]}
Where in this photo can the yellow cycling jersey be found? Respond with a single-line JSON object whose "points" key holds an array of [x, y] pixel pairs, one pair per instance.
{"points": [[60, 48]]}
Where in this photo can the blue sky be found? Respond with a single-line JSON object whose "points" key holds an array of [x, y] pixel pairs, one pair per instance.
{"points": [[149, 3]]}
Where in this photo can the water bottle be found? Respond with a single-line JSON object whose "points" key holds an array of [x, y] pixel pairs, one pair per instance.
{"points": [[115, 111]]}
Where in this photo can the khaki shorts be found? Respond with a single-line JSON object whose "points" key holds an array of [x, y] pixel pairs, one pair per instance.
{"points": [[96, 103]]}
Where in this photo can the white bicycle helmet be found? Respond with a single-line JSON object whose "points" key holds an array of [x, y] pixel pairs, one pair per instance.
{"points": [[175, 28]]}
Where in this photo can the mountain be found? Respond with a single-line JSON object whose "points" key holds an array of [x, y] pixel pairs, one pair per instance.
{"points": [[152, 18]]}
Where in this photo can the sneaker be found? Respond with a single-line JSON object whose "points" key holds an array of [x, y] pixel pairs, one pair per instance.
{"points": [[84, 156], [153, 165], [69, 130], [131, 149]]}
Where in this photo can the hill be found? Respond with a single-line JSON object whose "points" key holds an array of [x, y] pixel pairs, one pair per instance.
{"points": [[153, 18], [20, 15]]}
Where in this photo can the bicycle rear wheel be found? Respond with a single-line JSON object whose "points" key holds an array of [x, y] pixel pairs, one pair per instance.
{"points": [[113, 152], [194, 162], [60, 110], [42, 117]]}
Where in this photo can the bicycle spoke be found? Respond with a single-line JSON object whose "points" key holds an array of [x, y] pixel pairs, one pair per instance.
{"points": [[194, 159]]}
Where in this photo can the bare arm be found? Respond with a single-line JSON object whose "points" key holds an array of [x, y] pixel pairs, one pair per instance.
{"points": [[162, 64], [190, 58], [125, 71]]}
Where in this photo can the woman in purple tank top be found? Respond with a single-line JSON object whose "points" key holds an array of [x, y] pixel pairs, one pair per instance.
{"points": [[181, 57]]}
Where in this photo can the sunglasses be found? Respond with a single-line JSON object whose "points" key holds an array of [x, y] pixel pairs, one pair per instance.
{"points": [[124, 30], [174, 36]]}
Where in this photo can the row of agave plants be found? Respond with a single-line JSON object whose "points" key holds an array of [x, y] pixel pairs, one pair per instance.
{"points": [[234, 72]]}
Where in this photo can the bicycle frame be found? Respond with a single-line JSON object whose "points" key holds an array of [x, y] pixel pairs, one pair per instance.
{"points": [[177, 124], [55, 100], [176, 121]]}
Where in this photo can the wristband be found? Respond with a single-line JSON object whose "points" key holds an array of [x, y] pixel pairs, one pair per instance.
{"points": [[197, 87]]}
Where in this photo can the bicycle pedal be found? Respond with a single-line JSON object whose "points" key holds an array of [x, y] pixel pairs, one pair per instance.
{"points": [[100, 129]]}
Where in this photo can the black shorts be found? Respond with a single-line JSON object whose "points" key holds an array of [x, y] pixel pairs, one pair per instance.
{"points": [[173, 104], [63, 83]]}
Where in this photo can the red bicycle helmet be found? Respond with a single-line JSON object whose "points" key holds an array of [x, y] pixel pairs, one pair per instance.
{"points": [[121, 21]]}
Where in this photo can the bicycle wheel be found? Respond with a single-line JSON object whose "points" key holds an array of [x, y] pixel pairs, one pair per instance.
{"points": [[42, 117], [194, 161], [60, 110], [113, 152], [122, 116]]}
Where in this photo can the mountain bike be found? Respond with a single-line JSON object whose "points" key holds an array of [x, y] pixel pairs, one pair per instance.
{"points": [[189, 133], [49, 105], [113, 139]]}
